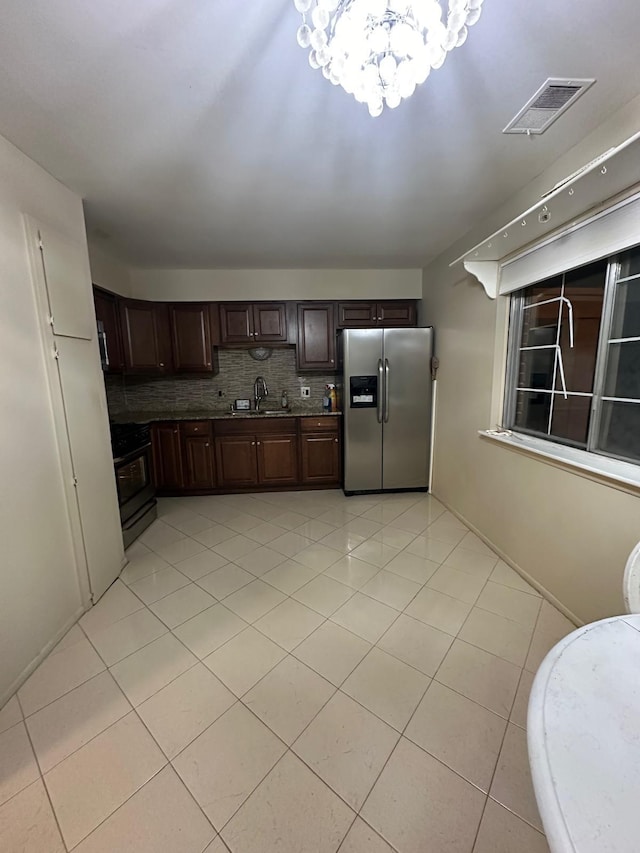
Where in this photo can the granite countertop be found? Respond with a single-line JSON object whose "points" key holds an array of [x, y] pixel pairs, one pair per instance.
{"points": [[211, 415]]}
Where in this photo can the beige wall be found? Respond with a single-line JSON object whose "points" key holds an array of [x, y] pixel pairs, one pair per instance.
{"points": [[40, 594], [193, 285], [48, 529], [570, 534], [107, 271]]}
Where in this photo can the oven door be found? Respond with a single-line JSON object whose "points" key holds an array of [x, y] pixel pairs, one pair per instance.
{"points": [[133, 481]]}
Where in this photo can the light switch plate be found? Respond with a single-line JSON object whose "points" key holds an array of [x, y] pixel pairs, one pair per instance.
{"points": [[305, 391]]}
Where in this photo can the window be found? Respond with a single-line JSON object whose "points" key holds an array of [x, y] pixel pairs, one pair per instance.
{"points": [[573, 373]]}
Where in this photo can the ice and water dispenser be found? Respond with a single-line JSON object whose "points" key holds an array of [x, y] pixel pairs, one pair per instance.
{"points": [[363, 392]]}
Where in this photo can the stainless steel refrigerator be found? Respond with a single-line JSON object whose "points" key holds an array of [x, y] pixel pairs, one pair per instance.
{"points": [[387, 408]]}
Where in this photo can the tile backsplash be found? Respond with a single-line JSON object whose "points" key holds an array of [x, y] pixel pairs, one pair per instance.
{"points": [[235, 380]]}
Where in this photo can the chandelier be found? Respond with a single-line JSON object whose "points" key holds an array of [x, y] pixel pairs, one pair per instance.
{"points": [[380, 50]]}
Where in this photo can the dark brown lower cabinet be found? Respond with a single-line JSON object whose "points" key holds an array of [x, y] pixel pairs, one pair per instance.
{"points": [[168, 471], [199, 462], [237, 461], [277, 460], [245, 454], [320, 455]]}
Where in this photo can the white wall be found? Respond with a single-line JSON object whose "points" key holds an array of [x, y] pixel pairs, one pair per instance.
{"points": [[108, 271], [570, 534], [194, 285], [41, 590]]}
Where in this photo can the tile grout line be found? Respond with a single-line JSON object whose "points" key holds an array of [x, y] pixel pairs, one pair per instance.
{"points": [[167, 762], [495, 769], [42, 779], [111, 814], [93, 737], [291, 653], [220, 601]]}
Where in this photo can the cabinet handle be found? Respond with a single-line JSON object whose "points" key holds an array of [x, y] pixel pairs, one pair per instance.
{"points": [[332, 361], [258, 443], [253, 444], [207, 444], [162, 364], [175, 432], [336, 440]]}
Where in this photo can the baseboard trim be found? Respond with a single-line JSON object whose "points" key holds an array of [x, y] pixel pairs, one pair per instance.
{"points": [[26, 672], [544, 592]]}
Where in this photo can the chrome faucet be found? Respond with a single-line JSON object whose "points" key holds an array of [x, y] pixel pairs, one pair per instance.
{"points": [[260, 391]]}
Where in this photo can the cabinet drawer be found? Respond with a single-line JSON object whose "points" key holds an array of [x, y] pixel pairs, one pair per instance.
{"points": [[196, 428], [323, 423]]}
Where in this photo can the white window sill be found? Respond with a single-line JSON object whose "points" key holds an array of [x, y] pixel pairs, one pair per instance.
{"points": [[611, 472]]}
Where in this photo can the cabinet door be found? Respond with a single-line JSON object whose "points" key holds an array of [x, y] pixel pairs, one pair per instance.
{"points": [[168, 472], [277, 460], [199, 467], [236, 461], [145, 337], [320, 458], [316, 348], [236, 323], [357, 315], [107, 314], [270, 322], [191, 336], [395, 314]]}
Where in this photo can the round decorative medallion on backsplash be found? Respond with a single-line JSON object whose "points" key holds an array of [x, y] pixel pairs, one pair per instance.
{"points": [[260, 353]]}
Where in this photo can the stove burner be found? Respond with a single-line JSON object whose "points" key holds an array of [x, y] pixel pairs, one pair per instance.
{"points": [[127, 438]]}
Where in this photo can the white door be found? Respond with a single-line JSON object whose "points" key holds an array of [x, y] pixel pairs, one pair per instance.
{"points": [[68, 278], [89, 440], [62, 280]]}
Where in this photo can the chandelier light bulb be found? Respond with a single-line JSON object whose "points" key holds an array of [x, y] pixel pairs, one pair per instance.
{"points": [[304, 35], [379, 51], [320, 18]]}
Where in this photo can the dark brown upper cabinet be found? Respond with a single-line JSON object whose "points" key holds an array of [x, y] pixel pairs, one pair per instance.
{"points": [[402, 313], [367, 315], [270, 322], [236, 323], [145, 337], [357, 315], [248, 323], [191, 336], [107, 313], [316, 349]]}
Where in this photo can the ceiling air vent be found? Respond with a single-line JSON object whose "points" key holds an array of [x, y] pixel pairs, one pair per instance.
{"points": [[548, 103]]}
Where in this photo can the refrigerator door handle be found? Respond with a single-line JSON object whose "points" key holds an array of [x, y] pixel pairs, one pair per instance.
{"points": [[380, 392], [386, 390]]}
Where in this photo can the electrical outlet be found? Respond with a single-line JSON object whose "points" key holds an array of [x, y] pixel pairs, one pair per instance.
{"points": [[305, 391]]}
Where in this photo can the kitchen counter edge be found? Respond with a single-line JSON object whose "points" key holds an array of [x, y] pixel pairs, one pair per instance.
{"points": [[151, 417]]}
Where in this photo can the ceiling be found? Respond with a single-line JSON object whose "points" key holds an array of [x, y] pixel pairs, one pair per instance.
{"points": [[199, 136]]}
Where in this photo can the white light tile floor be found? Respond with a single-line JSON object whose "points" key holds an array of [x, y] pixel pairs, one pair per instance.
{"points": [[286, 672]]}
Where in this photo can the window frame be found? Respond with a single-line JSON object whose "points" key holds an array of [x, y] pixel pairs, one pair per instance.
{"points": [[514, 346]]}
